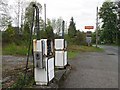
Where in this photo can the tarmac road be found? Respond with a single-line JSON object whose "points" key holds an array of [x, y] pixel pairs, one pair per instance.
{"points": [[94, 70]]}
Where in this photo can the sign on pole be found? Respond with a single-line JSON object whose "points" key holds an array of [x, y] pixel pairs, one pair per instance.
{"points": [[89, 27]]}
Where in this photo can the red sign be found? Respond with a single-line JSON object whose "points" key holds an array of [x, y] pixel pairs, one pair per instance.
{"points": [[89, 27]]}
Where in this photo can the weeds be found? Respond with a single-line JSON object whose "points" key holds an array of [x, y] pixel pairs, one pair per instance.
{"points": [[21, 82], [72, 54], [74, 50], [13, 49]]}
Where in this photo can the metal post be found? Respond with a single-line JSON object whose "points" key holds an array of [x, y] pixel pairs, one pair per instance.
{"points": [[63, 25], [97, 27], [45, 16]]}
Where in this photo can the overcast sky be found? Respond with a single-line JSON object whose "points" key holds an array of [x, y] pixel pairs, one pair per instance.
{"points": [[83, 11]]}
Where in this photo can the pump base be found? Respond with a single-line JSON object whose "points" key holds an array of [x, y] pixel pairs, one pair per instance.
{"points": [[45, 75], [42, 83], [61, 67]]}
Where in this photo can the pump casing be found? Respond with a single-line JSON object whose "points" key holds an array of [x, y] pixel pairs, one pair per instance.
{"points": [[44, 61], [60, 53]]}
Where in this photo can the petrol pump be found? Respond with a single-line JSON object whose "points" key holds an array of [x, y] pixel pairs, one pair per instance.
{"points": [[61, 51], [43, 57], [44, 61]]}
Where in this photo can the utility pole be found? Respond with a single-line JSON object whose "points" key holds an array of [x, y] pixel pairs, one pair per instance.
{"points": [[45, 16], [18, 16], [97, 27], [66, 30], [22, 18]]}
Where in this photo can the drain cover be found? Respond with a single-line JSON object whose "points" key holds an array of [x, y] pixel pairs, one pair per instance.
{"points": [[111, 54]]}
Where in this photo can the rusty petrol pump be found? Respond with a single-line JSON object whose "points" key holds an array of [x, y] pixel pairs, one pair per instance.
{"points": [[61, 51], [43, 57]]}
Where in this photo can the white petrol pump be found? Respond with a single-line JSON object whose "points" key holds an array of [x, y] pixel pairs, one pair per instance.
{"points": [[61, 51], [44, 61], [43, 56]]}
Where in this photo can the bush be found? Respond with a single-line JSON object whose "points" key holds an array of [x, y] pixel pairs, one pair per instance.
{"points": [[13, 49], [21, 83], [8, 35], [79, 39]]}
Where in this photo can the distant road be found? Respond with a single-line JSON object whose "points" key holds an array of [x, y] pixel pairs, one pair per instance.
{"points": [[94, 69], [110, 49]]}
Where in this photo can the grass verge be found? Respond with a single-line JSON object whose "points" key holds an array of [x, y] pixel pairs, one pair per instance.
{"points": [[13, 49], [72, 54], [74, 50]]}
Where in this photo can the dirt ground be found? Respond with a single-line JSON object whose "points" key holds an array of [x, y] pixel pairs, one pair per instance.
{"points": [[11, 67]]}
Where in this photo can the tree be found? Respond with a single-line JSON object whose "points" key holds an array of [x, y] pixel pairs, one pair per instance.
{"points": [[41, 24], [109, 22], [29, 13], [80, 38], [117, 3], [28, 18], [18, 13], [5, 18], [49, 32], [9, 34], [57, 25], [72, 29]]}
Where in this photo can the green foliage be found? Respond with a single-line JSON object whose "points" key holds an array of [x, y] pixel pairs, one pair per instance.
{"points": [[94, 37], [78, 48], [9, 34], [79, 39], [109, 22], [29, 81], [26, 32], [74, 50], [43, 34], [48, 22], [72, 29], [75, 37], [118, 23], [28, 20], [49, 32], [118, 38], [29, 12], [72, 54], [100, 36], [13, 49]]}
